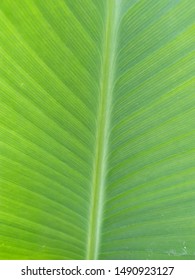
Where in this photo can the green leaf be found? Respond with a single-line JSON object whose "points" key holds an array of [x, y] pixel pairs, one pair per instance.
{"points": [[97, 130]]}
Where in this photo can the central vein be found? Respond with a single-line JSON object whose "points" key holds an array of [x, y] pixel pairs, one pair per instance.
{"points": [[106, 88]]}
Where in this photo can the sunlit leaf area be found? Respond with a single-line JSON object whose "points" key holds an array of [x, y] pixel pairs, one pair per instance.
{"points": [[97, 129]]}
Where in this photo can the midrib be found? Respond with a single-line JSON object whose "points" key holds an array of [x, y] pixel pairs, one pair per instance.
{"points": [[106, 86]]}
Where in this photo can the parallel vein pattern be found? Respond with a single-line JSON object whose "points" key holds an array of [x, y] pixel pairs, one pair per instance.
{"points": [[97, 130], [150, 191], [47, 125]]}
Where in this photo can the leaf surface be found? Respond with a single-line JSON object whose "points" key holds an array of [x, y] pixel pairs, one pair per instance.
{"points": [[97, 130]]}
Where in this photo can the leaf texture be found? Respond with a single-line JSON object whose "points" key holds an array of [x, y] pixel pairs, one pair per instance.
{"points": [[97, 130]]}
